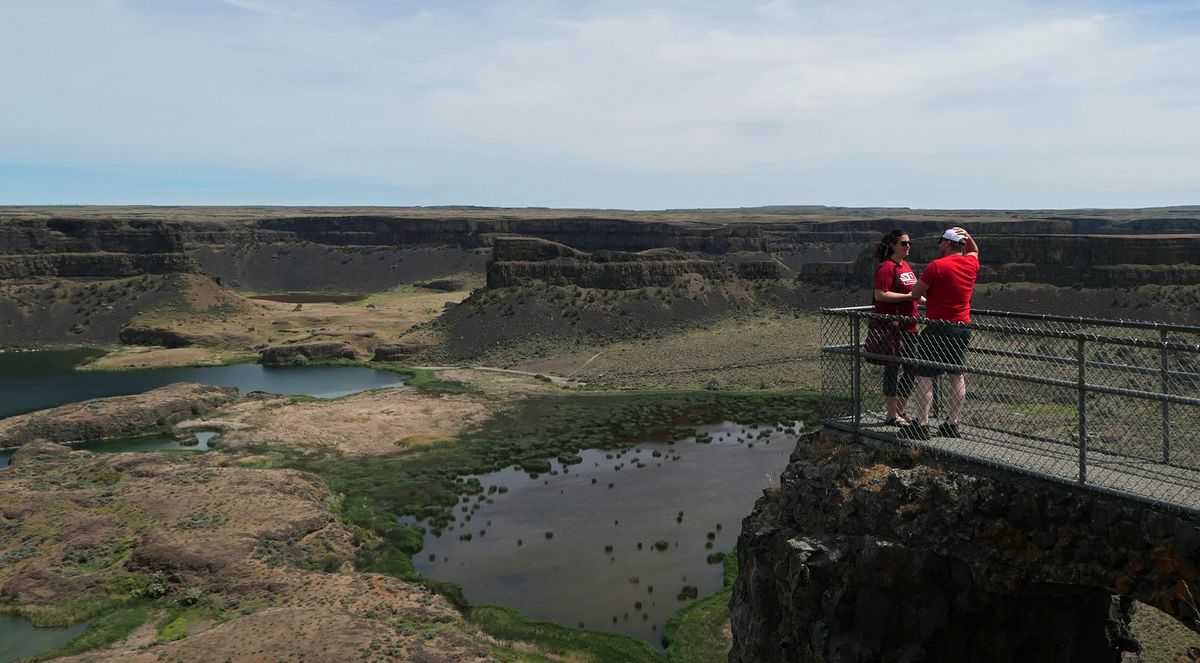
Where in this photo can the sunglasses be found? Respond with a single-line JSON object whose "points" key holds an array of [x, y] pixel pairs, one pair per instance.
{"points": [[904, 243]]}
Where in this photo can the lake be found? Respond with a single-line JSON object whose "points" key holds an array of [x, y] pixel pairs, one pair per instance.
{"points": [[45, 378], [144, 443], [577, 545], [18, 638]]}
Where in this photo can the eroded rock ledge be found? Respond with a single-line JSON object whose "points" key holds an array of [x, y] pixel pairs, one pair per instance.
{"points": [[869, 554], [103, 418]]}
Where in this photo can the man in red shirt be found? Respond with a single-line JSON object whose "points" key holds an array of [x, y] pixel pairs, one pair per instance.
{"points": [[947, 284]]}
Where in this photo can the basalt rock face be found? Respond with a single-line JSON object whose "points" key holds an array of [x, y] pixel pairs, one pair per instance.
{"points": [[304, 352], [366, 249], [1066, 260], [871, 554], [397, 351], [79, 248], [524, 261]]}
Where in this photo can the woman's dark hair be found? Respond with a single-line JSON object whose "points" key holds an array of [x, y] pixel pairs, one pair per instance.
{"points": [[884, 248]]}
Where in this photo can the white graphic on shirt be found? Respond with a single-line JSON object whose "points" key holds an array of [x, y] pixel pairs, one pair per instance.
{"points": [[908, 278]]}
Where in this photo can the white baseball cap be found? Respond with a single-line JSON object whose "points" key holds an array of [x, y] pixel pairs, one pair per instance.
{"points": [[952, 236]]}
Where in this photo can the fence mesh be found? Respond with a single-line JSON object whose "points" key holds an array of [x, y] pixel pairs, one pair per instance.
{"points": [[1111, 405]]}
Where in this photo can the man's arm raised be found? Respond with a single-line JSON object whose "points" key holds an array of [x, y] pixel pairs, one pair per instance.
{"points": [[969, 246]]}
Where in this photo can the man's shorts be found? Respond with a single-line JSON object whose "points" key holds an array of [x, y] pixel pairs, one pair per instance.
{"points": [[945, 345]]}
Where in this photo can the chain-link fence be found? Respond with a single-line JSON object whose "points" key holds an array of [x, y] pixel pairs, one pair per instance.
{"points": [[1108, 404]]}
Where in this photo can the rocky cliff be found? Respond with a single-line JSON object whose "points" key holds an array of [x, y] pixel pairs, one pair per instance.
{"points": [[520, 261], [873, 553], [374, 248], [87, 248], [1116, 261]]}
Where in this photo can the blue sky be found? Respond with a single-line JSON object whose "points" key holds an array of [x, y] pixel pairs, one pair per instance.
{"points": [[638, 105]]}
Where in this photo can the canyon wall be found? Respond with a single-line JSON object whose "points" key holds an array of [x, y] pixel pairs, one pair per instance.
{"points": [[363, 249]]}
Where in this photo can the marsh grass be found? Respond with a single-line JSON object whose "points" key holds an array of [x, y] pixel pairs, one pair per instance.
{"points": [[112, 613], [697, 633], [561, 641], [103, 629]]}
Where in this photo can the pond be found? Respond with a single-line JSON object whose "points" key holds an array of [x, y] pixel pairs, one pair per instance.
{"points": [[19, 639], [45, 378], [311, 297], [616, 543], [144, 443]]}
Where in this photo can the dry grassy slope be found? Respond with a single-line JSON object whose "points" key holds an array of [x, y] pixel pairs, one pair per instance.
{"points": [[236, 543], [91, 311], [490, 321], [682, 334], [766, 214]]}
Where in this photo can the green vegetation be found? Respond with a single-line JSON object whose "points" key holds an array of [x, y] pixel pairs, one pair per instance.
{"points": [[428, 382], [1162, 638], [104, 629], [115, 609], [559, 640], [696, 634], [176, 624]]}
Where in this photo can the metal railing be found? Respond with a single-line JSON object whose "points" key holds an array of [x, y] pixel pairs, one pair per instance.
{"points": [[1110, 405]]}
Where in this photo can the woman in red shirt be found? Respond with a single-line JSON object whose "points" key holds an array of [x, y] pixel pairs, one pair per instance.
{"points": [[893, 282]]}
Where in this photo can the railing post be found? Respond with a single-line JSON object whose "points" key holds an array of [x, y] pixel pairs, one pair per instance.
{"points": [[1166, 407], [856, 373], [1082, 412]]}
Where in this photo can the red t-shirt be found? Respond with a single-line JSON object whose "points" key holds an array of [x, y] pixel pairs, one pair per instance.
{"points": [[891, 277], [951, 281]]}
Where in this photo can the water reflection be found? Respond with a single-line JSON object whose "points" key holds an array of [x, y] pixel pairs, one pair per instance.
{"points": [[617, 542], [19, 639], [46, 378], [144, 443]]}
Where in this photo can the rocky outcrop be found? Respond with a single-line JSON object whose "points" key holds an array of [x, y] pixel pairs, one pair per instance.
{"points": [[869, 554], [153, 335], [524, 261], [118, 416], [367, 249], [1066, 260], [304, 352], [397, 351], [93, 265], [91, 248]]}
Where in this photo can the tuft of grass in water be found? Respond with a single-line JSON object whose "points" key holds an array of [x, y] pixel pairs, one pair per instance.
{"points": [[561, 641], [696, 634]]}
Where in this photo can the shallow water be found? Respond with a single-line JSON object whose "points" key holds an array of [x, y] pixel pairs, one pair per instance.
{"points": [[46, 378], [18, 638], [571, 578], [144, 443]]}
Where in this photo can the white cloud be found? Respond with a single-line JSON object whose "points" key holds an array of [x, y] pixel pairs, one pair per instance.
{"points": [[320, 90]]}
